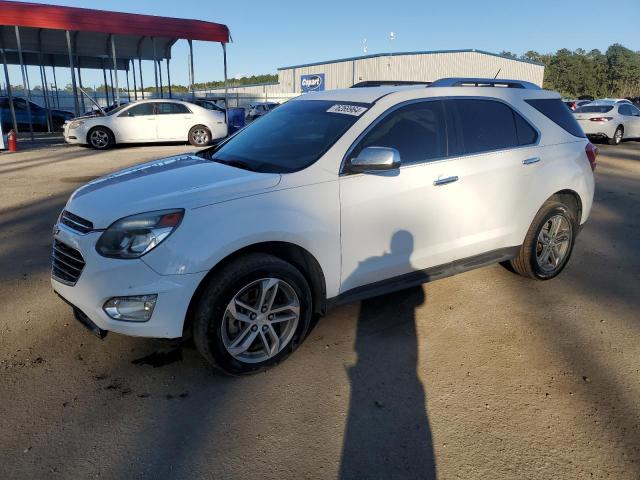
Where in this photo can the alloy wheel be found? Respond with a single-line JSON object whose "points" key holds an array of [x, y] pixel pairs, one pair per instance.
{"points": [[553, 243], [99, 138], [200, 136], [260, 320]]}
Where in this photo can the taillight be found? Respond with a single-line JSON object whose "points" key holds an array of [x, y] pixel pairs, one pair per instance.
{"points": [[592, 154], [572, 105], [600, 119]]}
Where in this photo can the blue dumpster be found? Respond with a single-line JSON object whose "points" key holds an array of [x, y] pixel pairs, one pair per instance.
{"points": [[236, 119]]}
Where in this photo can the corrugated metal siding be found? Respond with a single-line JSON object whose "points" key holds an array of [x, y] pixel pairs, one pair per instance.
{"points": [[420, 67]]}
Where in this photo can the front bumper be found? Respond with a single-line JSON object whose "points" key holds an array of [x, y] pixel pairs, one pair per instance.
{"points": [[103, 278]]}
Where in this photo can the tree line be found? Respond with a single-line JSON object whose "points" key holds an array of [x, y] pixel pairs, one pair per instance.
{"points": [[614, 73]]}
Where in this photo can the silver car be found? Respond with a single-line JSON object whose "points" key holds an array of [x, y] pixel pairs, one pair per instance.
{"points": [[610, 119]]}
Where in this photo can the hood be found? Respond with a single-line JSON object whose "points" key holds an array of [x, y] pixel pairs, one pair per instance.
{"points": [[182, 181]]}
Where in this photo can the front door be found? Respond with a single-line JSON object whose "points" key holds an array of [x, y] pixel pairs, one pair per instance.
{"points": [[137, 123], [396, 222]]}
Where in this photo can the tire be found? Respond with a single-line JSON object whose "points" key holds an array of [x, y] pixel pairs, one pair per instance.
{"points": [[530, 261], [199, 136], [617, 136], [100, 138], [216, 329]]}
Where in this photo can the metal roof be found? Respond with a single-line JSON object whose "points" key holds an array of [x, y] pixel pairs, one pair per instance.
{"points": [[398, 54], [43, 27]]}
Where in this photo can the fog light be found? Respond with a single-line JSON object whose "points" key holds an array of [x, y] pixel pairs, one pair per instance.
{"points": [[132, 309]]}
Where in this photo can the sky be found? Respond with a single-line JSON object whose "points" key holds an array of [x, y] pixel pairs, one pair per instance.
{"points": [[271, 34]]}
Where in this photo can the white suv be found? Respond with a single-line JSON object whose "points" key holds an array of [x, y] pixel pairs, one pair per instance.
{"points": [[333, 197]]}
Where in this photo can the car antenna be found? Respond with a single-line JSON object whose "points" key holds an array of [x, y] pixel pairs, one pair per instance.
{"points": [[497, 73], [93, 101]]}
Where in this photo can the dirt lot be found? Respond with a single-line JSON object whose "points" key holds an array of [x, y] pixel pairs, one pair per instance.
{"points": [[483, 375]]}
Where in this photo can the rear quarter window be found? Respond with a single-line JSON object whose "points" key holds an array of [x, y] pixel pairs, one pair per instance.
{"points": [[558, 113]]}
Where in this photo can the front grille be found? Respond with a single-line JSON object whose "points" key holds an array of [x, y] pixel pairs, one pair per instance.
{"points": [[66, 263], [75, 222]]}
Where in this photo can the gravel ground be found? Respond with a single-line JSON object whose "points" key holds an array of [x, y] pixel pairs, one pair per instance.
{"points": [[482, 375]]}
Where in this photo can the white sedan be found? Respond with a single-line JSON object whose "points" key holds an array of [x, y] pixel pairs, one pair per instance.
{"points": [[148, 121], [612, 120]]}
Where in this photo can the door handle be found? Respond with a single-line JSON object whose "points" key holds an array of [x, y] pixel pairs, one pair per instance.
{"points": [[444, 181], [531, 160]]}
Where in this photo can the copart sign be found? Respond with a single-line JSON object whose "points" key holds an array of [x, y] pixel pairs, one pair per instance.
{"points": [[312, 83]]}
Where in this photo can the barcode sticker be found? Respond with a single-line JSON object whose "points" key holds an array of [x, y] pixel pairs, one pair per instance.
{"points": [[354, 110]]}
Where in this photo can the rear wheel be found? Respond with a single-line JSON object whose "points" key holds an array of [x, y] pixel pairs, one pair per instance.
{"points": [[252, 314], [199, 136], [100, 138], [617, 136], [548, 244]]}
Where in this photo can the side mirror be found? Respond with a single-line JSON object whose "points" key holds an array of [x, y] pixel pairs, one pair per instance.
{"points": [[375, 159]]}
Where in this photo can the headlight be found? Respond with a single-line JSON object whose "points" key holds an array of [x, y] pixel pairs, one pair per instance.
{"points": [[132, 237], [75, 124]]}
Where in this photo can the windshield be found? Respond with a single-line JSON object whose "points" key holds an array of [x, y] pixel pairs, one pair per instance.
{"points": [[290, 138], [118, 109], [594, 109]]}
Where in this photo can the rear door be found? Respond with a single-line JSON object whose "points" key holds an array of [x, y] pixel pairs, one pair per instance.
{"points": [[136, 124], [173, 121], [495, 159], [631, 120]]}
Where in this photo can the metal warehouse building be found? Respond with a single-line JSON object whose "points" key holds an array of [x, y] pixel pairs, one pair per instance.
{"points": [[414, 66], [424, 66]]}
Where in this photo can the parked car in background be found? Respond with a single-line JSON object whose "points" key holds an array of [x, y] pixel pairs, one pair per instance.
{"points": [[334, 197], [38, 116], [612, 120], [208, 104], [259, 109], [148, 121], [573, 104]]}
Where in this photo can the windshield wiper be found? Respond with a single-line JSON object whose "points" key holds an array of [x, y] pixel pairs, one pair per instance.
{"points": [[235, 163]]}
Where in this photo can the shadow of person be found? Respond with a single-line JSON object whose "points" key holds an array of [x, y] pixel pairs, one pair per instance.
{"points": [[387, 433]]}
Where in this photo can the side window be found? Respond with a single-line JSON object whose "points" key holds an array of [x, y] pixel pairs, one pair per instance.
{"points": [[139, 110], [624, 110], [167, 108], [635, 111], [418, 131], [486, 125]]}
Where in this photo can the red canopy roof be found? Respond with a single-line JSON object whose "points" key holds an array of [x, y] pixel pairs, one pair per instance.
{"points": [[88, 20]]}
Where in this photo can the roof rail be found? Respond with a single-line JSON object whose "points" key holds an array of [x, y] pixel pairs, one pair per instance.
{"points": [[388, 83], [484, 82]]}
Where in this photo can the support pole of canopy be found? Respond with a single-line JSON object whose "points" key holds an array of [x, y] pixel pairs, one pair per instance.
{"points": [[160, 75], [115, 67], [155, 62], [192, 86], [169, 79], [9, 92], [226, 102], [73, 77], [25, 80], [106, 86], [75, 49], [43, 81], [47, 94], [113, 93], [128, 89], [135, 87], [55, 84], [141, 84]]}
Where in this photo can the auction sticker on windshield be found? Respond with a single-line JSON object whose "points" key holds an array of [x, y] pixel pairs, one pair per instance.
{"points": [[347, 109]]}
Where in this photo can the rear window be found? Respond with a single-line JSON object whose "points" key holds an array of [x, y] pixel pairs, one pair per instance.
{"points": [[558, 113], [594, 109]]}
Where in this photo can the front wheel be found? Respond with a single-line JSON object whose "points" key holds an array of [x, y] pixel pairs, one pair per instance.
{"points": [[617, 136], [252, 314], [100, 138], [199, 136], [548, 244]]}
